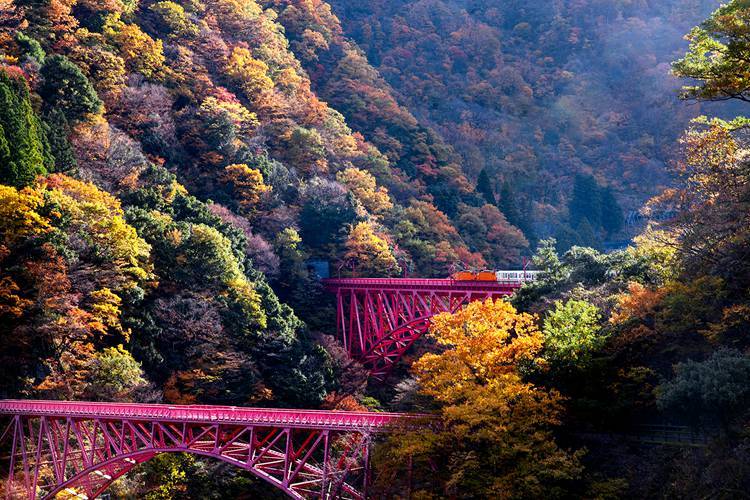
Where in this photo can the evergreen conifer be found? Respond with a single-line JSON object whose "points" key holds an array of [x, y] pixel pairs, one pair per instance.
{"points": [[23, 153], [67, 89], [484, 187]]}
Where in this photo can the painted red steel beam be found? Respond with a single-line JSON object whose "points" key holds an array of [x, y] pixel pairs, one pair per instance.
{"points": [[378, 319], [446, 284], [81, 447], [306, 419]]}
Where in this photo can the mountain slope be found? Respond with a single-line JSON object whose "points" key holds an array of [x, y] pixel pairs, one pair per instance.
{"points": [[537, 92]]}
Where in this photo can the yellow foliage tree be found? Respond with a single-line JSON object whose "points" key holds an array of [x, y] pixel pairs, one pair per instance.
{"points": [[370, 253], [141, 52], [104, 68], [101, 215], [288, 80], [494, 440], [18, 214], [235, 14], [485, 342], [250, 73], [173, 15], [238, 114], [247, 184], [105, 311], [659, 248], [360, 182]]}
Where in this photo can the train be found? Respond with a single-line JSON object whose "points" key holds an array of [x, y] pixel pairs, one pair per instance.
{"points": [[500, 276]]}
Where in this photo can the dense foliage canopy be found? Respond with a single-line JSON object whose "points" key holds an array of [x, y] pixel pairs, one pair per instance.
{"points": [[172, 174]]}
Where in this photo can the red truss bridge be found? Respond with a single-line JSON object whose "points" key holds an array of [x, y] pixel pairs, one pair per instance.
{"points": [[77, 449], [379, 319]]}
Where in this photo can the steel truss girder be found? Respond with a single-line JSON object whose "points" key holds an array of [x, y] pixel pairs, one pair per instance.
{"points": [[79, 449], [379, 319]]}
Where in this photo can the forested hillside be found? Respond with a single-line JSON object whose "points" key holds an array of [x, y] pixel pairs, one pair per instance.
{"points": [[533, 93], [170, 170], [167, 171]]}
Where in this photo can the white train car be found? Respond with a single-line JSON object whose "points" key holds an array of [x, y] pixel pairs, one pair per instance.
{"points": [[517, 276]]}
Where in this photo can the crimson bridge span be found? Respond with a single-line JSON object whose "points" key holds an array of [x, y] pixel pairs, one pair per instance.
{"points": [[378, 320], [78, 449]]}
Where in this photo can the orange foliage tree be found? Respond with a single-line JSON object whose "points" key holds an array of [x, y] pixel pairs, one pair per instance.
{"points": [[494, 440]]}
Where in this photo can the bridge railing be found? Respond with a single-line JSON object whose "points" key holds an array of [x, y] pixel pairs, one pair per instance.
{"points": [[417, 282], [339, 420]]}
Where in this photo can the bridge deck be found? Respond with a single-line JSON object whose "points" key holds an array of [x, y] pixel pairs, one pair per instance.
{"points": [[307, 419], [445, 284]]}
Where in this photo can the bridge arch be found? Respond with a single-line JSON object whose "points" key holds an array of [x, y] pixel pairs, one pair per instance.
{"points": [[383, 356], [121, 466]]}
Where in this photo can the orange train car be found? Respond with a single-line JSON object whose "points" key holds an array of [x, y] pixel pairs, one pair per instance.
{"points": [[486, 276], [501, 276], [463, 276], [472, 276]]}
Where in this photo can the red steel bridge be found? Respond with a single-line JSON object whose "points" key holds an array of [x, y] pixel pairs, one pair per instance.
{"points": [[379, 319], [77, 449]]}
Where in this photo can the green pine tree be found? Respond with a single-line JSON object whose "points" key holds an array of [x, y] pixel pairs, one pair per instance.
{"points": [[518, 216], [484, 187], [612, 217], [566, 237], [67, 89], [30, 47], [23, 146], [57, 130], [585, 203], [508, 205], [4, 151], [587, 235]]}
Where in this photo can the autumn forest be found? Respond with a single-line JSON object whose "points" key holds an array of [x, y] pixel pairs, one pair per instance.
{"points": [[177, 176]]}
